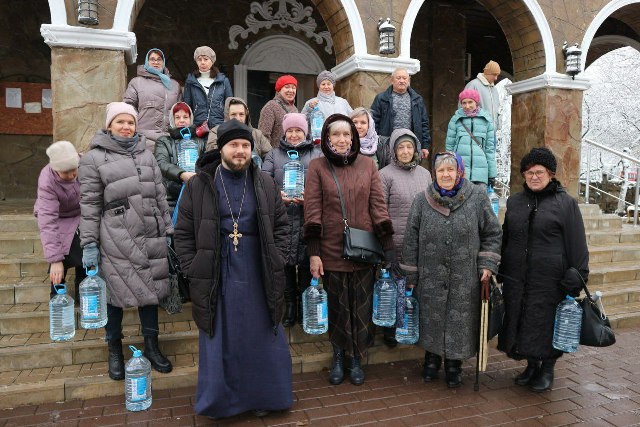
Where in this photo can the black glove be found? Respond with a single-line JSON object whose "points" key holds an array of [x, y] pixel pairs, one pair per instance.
{"points": [[492, 182]]}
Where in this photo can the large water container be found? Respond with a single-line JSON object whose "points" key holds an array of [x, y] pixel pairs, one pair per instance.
{"points": [[137, 382], [384, 300], [315, 313], [293, 182], [410, 330], [62, 320], [494, 199], [93, 301], [316, 119], [566, 332], [187, 151]]}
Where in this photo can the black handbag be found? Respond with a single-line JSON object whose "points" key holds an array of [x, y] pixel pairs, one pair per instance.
{"points": [[496, 309], [176, 269], [358, 245], [596, 329]]}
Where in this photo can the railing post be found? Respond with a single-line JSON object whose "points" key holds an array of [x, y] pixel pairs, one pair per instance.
{"points": [[635, 200], [586, 188]]}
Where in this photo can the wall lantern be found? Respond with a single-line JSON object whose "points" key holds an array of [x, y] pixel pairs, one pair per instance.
{"points": [[572, 58], [88, 12], [387, 34]]}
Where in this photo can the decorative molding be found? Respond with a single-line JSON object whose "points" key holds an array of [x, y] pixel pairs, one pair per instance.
{"points": [[376, 64], [357, 28], [122, 17], [283, 18], [548, 80], [407, 27], [82, 37], [58, 12]]}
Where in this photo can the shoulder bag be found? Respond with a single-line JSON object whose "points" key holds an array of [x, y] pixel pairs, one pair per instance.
{"points": [[596, 329]]}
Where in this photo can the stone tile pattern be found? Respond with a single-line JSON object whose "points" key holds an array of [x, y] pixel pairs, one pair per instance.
{"points": [[594, 387]]}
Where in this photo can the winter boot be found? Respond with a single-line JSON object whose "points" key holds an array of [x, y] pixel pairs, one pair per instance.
{"points": [[390, 337], [155, 356], [453, 372], [336, 375], [544, 379], [357, 374], [432, 363], [529, 373], [116, 360], [291, 305]]}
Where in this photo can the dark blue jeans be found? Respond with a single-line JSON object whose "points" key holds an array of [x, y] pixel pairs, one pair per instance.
{"points": [[148, 319]]}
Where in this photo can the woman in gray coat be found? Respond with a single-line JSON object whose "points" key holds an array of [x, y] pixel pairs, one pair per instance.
{"points": [[451, 246], [124, 227]]}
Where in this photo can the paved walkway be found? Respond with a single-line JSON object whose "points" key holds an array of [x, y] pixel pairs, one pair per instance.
{"points": [[595, 387]]}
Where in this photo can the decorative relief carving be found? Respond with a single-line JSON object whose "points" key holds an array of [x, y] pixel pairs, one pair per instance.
{"points": [[289, 13]]}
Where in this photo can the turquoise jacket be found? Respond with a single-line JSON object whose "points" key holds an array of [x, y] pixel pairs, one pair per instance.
{"points": [[479, 160]]}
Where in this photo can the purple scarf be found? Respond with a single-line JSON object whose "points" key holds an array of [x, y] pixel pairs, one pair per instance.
{"points": [[471, 113], [369, 142], [459, 176]]}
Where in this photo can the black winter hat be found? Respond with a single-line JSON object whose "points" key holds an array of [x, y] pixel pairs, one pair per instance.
{"points": [[539, 156], [233, 129]]}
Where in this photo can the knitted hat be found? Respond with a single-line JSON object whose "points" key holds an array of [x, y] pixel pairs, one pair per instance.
{"points": [[470, 94], [205, 51], [233, 129], [63, 156], [285, 80], [181, 106], [295, 120], [492, 67], [539, 156], [326, 75], [115, 108]]}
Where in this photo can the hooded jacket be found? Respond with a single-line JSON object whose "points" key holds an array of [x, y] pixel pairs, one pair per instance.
{"points": [[262, 143], [489, 97], [211, 104], [166, 152], [125, 212], [197, 241], [153, 102]]}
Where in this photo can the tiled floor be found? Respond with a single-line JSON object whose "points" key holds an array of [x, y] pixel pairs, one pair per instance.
{"points": [[595, 387]]}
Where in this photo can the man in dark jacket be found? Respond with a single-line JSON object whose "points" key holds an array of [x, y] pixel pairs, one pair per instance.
{"points": [[400, 107], [230, 237]]}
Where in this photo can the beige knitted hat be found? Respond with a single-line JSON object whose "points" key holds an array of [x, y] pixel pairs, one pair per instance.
{"points": [[63, 156]]}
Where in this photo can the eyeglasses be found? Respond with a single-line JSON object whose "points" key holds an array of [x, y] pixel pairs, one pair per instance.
{"points": [[155, 59], [530, 174]]}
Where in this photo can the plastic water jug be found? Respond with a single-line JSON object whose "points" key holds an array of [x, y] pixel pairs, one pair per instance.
{"points": [[62, 319], [93, 301], [410, 330], [494, 199], [384, 300], [566, 332], [315, 313], [187, 151], [293, 182], [137, 382], [316, 120]]}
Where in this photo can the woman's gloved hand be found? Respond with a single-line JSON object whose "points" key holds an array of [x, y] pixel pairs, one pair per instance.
{"points": [[90, 255], [389, 258]]}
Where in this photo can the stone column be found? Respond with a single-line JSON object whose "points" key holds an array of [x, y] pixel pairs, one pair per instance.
{"points": [[83, 82], [552, 118], [360, 88]]}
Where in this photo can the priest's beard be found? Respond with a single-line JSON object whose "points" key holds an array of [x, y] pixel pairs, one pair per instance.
{"points": [[235, 163]]}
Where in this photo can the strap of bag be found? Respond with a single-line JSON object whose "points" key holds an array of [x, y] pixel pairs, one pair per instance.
{"points": [[472, 137], [209, 101], [335, 178], [174, 218], [282, 105]]}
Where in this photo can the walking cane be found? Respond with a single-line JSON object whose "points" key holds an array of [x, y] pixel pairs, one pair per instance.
{"points": [[482, 355]]}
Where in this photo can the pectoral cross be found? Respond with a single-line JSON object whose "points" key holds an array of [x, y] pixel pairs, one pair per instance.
{"points": [[235, 236]]}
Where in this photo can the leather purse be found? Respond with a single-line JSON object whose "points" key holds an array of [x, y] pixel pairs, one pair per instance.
{"points": [[496, 309], [358, 245], [596, 330]]}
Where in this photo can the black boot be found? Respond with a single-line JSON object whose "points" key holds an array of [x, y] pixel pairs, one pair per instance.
{"points": [[544, 379], [432, 364], [291, 306], [155, 356], [453, 372], [116, 360], [390, 337], [356, 375], [336, 375], [527, 375]]}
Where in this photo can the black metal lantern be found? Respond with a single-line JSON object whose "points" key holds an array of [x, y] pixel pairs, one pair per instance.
{"points": [[387, 34], [88, 12], [572, 59]]}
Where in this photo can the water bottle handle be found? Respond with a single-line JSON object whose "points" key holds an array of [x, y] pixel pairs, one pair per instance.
{"points": [[187, 134], [291, 153], [60, 288], [91, 272]]}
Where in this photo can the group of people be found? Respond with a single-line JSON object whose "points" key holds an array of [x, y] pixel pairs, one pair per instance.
{"points": [[248, 250]]}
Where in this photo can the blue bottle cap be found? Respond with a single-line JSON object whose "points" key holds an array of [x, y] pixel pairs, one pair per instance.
{"points": [[293, 154], [408, 292], [384, 273], [92, 272], [61, 289], [136, 352], [569, 297], [314, 281]]}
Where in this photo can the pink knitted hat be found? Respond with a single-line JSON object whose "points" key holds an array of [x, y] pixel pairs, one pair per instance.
{"points": [[470, 94], [295, 120]]}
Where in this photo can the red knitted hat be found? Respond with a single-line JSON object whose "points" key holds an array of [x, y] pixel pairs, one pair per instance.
{"points": [[285, 80], [470, 94]]}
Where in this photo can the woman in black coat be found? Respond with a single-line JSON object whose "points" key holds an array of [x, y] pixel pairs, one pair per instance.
{"points": [[543, 238]]}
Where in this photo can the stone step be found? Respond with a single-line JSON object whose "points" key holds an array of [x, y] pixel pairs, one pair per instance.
{"points": [[617, 294], [589, 209], [27, 290], [614, 253], [23, 266], [602, 222], [613, 272], [624, 316], [18, 222], [19, 243], [627, 234]]}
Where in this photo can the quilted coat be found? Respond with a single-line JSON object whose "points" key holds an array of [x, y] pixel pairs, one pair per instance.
{"points": [[448, 241], [273, 164], [480, 163], [207, 105], [125, 211]]}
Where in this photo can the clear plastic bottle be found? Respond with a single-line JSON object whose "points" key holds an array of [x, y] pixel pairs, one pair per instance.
{"points": [[62, 318], [598, 300], [293, 182], [137, 382], [384, 300], [566, 332], [187, 151], [494, 199], [410, 331], [93, 301], [316, 120], [315, 314]]}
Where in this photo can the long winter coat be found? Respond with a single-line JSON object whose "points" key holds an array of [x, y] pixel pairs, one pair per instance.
{"points": [[479, 160], [211, 104], [400, 184], [57, 210], [153, 102], [197, 241], [125, 211], [447, 243], [274, 162], [543, 236]]}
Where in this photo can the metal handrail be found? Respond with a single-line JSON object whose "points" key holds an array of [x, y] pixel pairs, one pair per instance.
{"points": [[619, 154]]}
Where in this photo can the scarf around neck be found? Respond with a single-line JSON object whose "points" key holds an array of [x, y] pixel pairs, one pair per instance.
{"points": [[369, 142], [471, 113], [127, 143], [330, 98], [166, 80]]}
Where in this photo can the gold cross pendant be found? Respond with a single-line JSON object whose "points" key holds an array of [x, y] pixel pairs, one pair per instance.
{"points": [[235, 236]]}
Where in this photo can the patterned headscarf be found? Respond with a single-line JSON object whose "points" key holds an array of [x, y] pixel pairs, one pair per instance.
{"points": [[459, 176]]}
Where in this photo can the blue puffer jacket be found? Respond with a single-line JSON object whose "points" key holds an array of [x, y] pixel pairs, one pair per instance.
{"points": [[480, 163], [196, 97]]}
